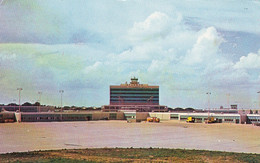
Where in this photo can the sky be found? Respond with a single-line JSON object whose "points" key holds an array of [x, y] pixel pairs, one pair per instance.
{"points": [[186, 47]]}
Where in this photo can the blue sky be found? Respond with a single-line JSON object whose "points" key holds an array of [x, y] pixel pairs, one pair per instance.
{"points": [[186, 47]]}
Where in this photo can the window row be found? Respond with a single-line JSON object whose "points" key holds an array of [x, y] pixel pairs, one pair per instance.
{"points": [[116, 100], [133, 98], [135, 89], [135, 95]]}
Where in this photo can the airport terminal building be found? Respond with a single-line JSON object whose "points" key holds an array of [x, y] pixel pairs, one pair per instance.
{"points": [[134, 96]]}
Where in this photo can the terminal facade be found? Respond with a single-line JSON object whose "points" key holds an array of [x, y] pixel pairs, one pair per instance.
{"points": [[134, 96]]}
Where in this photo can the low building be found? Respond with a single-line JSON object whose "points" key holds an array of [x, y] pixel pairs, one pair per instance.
{"points": [[221, 118], [253, 118], [199, 117], [70, 116]]}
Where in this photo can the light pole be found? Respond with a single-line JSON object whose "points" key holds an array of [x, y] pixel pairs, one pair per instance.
{"points": [[61, 92], [208, 93], [228, 95], [259, 98], [254, 105], [40, 95], [19, 89]]}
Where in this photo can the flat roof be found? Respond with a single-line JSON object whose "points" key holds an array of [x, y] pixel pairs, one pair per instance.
{"points": [[133, 105], [253, 115], [133, 86], [83, 112], [199, 114]]}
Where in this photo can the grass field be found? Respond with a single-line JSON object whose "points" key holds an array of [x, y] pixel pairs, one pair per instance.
{"points": [[128, 155]]}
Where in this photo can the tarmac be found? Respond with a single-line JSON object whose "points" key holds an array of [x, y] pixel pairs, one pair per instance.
{"points": [[22, 137]]}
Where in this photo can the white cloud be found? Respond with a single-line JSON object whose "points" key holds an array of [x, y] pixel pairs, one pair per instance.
{"points": [[227, 78], [158, 66], [251, 61], [205, 48], [157, 25], [224, 74], [224, 15], [97, 66], [137, 53]]}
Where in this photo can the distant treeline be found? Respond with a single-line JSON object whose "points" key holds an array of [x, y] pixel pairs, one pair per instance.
{"points": [[55, 107], [178, 109]]}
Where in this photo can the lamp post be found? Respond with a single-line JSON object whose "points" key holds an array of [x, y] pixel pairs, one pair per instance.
{"points": [[208, 93], [61, 92], [19, 89], [228, 95], [40, 95], [259, 98], [254, 105]]}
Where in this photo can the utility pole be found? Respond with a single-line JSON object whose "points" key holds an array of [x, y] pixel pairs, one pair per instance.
{"points": [[19, 89], [259, 98], [61, 92], [228, 95], [40, 94], [208, 93]]}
